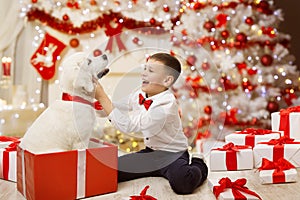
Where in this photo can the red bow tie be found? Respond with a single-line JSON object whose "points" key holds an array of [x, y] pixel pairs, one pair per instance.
{"points": [[142, 100]]}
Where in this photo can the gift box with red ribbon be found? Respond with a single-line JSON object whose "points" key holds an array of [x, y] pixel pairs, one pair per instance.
{"points": [[288, 121], [231, 157], [251, 136], [275, 149], [67, 175], [281, 171], [8, 158], [225, 188]]}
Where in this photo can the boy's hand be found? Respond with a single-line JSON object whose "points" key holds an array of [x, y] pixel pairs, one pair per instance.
{"points": [[99, 91], [102, 97]]}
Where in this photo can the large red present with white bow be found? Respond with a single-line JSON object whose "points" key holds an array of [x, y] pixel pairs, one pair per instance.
{"points": [[275, 149], [8, 158], [280, 171], [231, 157], [67, 175], [288, 121], [251, 136], [226, 189]]}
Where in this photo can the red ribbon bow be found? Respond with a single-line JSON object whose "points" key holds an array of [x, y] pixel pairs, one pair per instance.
{"points": [[280, 141], [143, 195], [280, 165], [231, 158], [231, 147], [254, 131], [114, 32], [289, 110], [142, 100], [237, 187], [13, 146], [68, 97]]}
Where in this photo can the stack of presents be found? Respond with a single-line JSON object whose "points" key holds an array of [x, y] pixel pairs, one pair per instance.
{"points": [[275, 154], [79, 173], [61, 175]]}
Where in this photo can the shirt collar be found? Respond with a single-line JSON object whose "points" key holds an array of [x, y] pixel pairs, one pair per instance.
{"points": [[157, 96]]}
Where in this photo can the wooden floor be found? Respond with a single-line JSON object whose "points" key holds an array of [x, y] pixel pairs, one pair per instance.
{"points": [[160, 189]]}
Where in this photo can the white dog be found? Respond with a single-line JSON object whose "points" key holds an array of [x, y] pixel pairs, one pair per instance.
{"points": [[68, 124]]}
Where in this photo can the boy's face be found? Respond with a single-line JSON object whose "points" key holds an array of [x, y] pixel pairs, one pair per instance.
{"points": [[154, 77]]}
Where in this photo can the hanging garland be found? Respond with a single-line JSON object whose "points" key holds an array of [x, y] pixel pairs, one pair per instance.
{"points": [[100, 22]]}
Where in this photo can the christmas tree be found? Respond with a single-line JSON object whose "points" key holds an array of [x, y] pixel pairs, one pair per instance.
{"points": [[237, 68], [254, 71]]}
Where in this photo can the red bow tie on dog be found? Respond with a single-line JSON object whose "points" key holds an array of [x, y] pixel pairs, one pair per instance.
{"points": [[142, 100]]}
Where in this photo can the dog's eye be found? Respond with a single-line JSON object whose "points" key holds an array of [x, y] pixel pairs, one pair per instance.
{"points": [[89, 61]]}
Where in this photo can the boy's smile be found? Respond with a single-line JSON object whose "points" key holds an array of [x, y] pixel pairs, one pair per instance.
{"points": [[153, 77]]}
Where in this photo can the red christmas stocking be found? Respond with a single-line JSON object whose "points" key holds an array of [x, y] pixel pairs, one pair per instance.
{"points": [[44, 58]]}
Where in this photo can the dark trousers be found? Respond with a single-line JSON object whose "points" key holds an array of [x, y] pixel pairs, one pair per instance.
{"points": [[184, 177]]}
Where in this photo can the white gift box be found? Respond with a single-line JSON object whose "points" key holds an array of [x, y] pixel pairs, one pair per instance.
{"points": [[227, 194], [218, 159], [291, 152], [242, 139], [8, 163], [294, 124], [267, 176], [204, 146]]}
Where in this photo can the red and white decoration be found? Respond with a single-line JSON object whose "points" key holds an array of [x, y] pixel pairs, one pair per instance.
{"points": [[45, 57], [251, 136], [275, 149], [280, 171], [231, 157], [288, 121], [8, 158], [71, 174], [225, 188]]}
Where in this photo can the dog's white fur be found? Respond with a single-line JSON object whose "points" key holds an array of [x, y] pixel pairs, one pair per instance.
{"points": [[67, 125]]}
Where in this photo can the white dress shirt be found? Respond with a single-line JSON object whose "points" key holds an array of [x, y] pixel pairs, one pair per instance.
{"points": [[160, 124]]}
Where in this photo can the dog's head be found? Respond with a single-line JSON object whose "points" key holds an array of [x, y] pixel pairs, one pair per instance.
{"points": [[78, 71]]}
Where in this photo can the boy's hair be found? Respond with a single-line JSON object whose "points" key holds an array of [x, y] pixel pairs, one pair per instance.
{"points": [[172, 63]]}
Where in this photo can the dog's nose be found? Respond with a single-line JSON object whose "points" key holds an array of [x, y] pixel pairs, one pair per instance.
{"points": [[104, 57]]}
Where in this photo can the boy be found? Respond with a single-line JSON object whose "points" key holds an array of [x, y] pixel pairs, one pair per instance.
{"points": [[153, 110]]}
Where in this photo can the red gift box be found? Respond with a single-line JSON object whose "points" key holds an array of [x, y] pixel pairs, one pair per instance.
{"points": [[67, 175], [8, 159]]}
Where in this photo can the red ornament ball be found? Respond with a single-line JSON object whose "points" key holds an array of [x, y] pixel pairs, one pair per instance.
{"points": [[272, 106], [198, 5], [137, 41], [208, 110], [191, 60], [225, 34], [34, 1], [205, 66], [209, 25], [65, 17], [97, 52], [241, 37], [74, 42], [166, 8], [266, 60], [249, 21], [152, 21]]}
